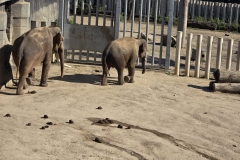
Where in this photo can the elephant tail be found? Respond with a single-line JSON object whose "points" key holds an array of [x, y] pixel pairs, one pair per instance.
{"points": [[104, 61], [19, 58]]}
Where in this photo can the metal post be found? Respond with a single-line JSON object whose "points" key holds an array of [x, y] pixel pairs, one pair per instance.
{"points": [[154, 31], [125, 18], [169, 36], [117, 18], [163, 10], [133, 14]]}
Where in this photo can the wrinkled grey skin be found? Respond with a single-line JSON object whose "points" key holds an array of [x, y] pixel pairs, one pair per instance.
{"points": [[34, 47], [122, 52]]}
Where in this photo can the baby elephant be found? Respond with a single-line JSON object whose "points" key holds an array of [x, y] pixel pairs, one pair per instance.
{"points": [[122, 52]]}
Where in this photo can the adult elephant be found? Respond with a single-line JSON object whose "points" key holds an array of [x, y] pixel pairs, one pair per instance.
{"points": [[122, 52], [34, 47]]}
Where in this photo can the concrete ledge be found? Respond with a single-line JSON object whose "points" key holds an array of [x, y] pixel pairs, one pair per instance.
{"points": [[3, 20], [20, 22], [21, 9]]}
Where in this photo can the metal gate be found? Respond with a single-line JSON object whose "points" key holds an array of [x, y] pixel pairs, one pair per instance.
{"points": [[87, 34], [91, 29]]}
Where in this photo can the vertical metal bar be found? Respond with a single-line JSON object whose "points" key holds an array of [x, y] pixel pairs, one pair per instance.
{"points": [[140, 23], [193, 9], [188, 54], [224, 12], [82, 12], [163, 10], [117, 18], [169, 35], [74, 21], [238, 57], [218, 10], [208, 56], [61, 15], [154, 31], [133, 15], [104, 13], [237, 13], [211, 10], [89, 20], [113, 13], [148, 17], [199, 8], [230, 14], [66, 11], [97, 12], [229, 54], [219, 53], [205, 10], [178, 52], [125, 18], [198, 55]]}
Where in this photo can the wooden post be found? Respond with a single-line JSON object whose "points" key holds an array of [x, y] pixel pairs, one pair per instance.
{"points": [[211, 10], [198, 57], [188, 54], [208, 56], [178, 53], [238, 57], [193, 9], [229, 54], [237, 13], [218, 10], [199, 8], [219, 53]]}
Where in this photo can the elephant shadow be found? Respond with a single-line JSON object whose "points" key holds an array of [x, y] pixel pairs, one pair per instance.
{"points": [[85, 78]]}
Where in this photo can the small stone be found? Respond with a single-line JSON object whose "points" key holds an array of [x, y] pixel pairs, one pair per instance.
{"points": [[45, 116], [100, 121], [70, 121], [42, 127], [32, 92], [234, 145], [49, 123], [226, 34], [46, 126], [97, 140], [120, 126], [96, 70], [205, 112], [7, 115], [99, 107], [28, 124]]}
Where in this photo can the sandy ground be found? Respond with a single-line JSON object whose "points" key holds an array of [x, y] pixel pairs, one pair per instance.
{"points": [[170, 118]]}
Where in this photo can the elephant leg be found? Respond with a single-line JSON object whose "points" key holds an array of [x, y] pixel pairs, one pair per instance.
{"points": [[120, 76], [131, 71], [104, 77], [45, 69], [32, 73], [23, 73]]}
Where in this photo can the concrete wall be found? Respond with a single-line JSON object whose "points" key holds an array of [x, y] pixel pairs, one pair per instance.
{"points": [[43, 10]]}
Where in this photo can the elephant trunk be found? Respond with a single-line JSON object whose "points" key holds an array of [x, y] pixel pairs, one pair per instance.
{"points": [[143, 65], [61, 56]]}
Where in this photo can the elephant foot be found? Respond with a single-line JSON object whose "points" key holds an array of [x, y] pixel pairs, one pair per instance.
{"points": [[104, 84], [128, 79], [121, 82], [44, 84], [20, 92]]}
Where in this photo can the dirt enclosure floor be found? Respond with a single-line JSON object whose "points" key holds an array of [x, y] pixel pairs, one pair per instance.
{"points": [[158, 117]]}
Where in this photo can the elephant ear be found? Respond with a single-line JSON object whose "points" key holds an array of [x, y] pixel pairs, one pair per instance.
{"points": [[57, 38], [142, 48]]}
